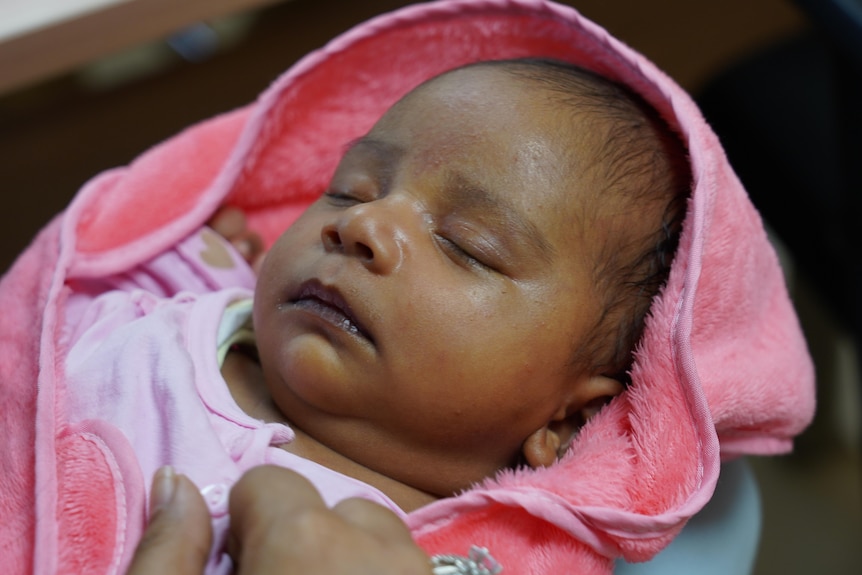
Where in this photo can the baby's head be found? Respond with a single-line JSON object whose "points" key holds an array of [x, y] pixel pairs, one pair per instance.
{"points": [[470, 288]]}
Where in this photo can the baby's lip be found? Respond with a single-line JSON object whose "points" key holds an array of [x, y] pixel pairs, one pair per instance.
{"points": [[327, 302]]}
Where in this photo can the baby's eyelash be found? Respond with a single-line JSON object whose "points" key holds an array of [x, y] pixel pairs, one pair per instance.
{"points": [[462, 254], [341, 198]]}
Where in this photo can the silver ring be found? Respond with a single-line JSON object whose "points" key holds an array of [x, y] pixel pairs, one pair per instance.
{"points": [[479, 562]]}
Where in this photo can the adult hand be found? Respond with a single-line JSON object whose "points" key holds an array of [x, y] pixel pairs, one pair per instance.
{"points": [[279, 525], [179, 535]]}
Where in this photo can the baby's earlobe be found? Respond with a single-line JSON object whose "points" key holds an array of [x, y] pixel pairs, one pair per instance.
{"points": [[541, 448], [548, 444]]}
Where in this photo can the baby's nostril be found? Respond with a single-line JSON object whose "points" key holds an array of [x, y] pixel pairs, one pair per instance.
{"points": [[364, 252], [331, 239]]}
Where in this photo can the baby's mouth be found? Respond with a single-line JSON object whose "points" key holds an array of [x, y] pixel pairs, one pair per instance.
{"points": [[328, 303]]}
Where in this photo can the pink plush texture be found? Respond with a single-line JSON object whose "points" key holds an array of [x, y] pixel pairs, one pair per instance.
{"points": [[24, 289], [723, 369], [88, 518]]}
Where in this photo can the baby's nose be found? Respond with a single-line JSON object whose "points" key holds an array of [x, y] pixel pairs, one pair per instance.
{"points": [[370, 232]]}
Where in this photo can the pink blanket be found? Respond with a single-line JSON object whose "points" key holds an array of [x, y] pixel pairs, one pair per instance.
{"points": [[722, 370]]}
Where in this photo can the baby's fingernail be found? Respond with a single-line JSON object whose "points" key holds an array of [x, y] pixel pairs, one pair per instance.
{"points": [[164, 485], [245, 248]]}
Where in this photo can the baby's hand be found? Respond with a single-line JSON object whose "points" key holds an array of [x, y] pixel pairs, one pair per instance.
{"points": [[230, 223]]}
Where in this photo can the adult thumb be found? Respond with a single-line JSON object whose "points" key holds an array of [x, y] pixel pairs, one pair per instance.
{"points": [[179, 535]]}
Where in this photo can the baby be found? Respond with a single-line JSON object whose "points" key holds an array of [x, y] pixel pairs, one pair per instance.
{"points": [[470, 287], [465, 295]]}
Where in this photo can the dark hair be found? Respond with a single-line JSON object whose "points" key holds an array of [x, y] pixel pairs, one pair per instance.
{"points": [[640, 166]]}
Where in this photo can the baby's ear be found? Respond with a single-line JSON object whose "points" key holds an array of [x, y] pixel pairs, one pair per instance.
{"points": [[546, 445]]}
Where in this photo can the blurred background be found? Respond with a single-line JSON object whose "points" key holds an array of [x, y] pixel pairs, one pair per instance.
{"points": [[86, 85]]}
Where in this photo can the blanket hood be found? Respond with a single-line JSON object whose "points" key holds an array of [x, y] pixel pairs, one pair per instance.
{"points": [[722, 370]]}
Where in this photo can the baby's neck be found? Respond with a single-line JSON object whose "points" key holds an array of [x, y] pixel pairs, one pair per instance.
{"points": [[245, 381]]}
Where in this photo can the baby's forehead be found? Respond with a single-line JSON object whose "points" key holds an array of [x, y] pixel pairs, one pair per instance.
{"points": [[490, 99], [492, 130], [566, 109]]}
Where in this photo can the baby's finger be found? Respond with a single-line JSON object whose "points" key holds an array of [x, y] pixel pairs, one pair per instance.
{"points": [[248, 244], [257, 262], [228, 222]]}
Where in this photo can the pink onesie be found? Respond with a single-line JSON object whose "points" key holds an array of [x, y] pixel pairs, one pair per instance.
{"points": [[142, 356]]}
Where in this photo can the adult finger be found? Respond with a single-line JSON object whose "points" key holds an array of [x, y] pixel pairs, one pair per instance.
{"points": [[374, 519], [264, 506], [179, 535], [267, 493], [280, 524], [388, 538]]}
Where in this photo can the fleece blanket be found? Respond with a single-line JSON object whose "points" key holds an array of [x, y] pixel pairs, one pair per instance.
{"points": [[722, 369]]}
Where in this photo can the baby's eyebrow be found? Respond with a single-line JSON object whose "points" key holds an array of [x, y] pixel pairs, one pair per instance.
{"points": [[386, 152], [470, 196], [379, 156]]}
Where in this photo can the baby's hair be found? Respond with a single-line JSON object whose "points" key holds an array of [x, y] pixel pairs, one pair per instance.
{"points": [[639, 169]]}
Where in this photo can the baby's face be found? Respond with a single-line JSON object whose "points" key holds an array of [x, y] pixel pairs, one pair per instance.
{"points": [[420, 318]]}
